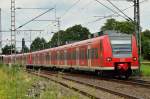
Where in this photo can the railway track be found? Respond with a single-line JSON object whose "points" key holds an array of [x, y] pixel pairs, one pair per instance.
{"points": [[132, 81], [135, 82], [48, 76], [88, 84]]}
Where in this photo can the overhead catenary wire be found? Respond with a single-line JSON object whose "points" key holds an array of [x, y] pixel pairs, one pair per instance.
{"points": [[73, 5], [34, 18], [85, 6], [111, 9], [61, 17], [113, 15], [120, 10]]}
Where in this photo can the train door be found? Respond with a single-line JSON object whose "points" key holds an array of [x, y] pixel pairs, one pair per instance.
{"points": [[68, 56], [101, 53], [89, 56], [77, 57], [49, 61], [65, 57], [58, 59], [73, 56], [94, 54]]}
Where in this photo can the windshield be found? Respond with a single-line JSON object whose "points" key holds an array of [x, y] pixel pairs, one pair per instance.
{"points": [[121, 48]]}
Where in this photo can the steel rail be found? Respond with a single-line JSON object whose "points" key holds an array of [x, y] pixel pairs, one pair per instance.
{"points": [[65, 85], [46, 75]]}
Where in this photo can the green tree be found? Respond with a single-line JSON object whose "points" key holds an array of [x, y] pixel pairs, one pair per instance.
{"points": [[24, 49], [54, 40], [123, 26], [72, 34], [7, 49], [146, 44], [38, 44], [77, 32], [109, 25]]}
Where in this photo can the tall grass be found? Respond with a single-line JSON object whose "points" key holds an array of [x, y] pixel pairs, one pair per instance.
{"points": [[14, 82]]}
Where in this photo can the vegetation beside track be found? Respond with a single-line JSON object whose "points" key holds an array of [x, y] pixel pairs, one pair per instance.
{"points": [[145, 69], [15, 83]]}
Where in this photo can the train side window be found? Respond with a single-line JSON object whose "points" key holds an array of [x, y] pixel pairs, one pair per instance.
{"points": [[88, 53], [68, 55], [74, 55], [71, 55], [77, 54], [65, 55], [62, 55], [85, 53], [96, 53], [57, 55], [52, 58], [82, 54], [47, 57]]}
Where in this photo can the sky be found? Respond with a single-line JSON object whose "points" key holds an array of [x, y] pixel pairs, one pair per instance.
{"points": [[70, 12]]}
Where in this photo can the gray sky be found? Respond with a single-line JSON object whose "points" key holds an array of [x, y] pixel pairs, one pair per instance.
{"points": [[83, 12]]}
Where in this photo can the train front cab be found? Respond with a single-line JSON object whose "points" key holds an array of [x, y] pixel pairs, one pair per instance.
{"points": [[121, 54]]}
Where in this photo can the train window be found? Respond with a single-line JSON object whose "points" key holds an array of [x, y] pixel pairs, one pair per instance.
{"points": [[94, 53], [101, 48], [61, 56], [40, 58], [55, 56], [88, 54], [68, 55], [52, 57], [83, 53], [47, 57], [58, 54], [74, 55], [37, 57], [65, 55], [121, 48]]}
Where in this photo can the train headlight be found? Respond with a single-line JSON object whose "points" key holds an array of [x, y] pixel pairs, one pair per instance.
{"points": [[134, 59], [109, 59]]}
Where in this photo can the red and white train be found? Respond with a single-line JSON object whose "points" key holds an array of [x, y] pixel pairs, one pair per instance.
{"points": [[117, 53]]}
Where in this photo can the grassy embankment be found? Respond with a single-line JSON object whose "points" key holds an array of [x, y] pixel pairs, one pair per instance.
{"points": [[15, 83], [145, 69]]}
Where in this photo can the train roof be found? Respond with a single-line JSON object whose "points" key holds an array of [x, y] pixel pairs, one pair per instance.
{"points": [[110, 33]]}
